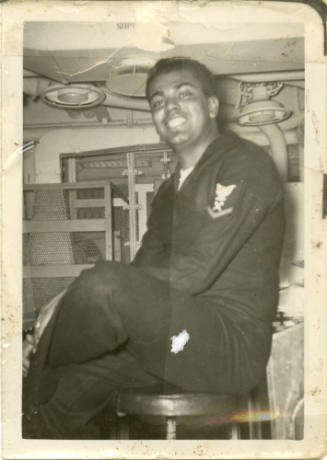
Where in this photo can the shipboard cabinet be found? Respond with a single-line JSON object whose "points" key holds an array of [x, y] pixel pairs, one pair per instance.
{"points": [[136, 173]]}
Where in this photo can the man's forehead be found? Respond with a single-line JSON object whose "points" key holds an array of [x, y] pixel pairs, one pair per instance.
{"points": [[173, 79]]}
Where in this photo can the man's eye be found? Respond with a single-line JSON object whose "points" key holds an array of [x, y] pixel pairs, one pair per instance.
{"points": [[184, 94], [157, 103]]}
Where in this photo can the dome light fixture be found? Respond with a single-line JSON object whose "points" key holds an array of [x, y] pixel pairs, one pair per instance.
{"points": [[264, 112], [129, 75], [259, 109], [73, 96]]}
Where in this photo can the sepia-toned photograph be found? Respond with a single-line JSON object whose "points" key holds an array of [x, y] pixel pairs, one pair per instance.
{"points": [[163, 237], [157, 263]]}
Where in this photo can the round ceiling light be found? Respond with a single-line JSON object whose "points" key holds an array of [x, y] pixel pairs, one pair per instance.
{"points": [[73, 96], [128, 78], [259, 109], [264, 112]]}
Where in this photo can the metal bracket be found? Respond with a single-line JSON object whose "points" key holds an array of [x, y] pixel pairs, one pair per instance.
{"points": [[135, 206], [137, 172]]}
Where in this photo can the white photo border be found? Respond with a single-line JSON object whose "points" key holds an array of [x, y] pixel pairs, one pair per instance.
{"points": [[14, 14]]}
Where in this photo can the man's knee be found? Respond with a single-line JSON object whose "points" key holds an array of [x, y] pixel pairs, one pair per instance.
{"points": [[103, 276]]}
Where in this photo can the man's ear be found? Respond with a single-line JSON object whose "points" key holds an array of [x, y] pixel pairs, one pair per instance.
{"points": [[213, 105]]}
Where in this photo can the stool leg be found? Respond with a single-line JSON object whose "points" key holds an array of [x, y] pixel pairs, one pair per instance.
{"points": [[234, 431], [255, 428], [112, 430], [250, 418], [170, 427], [123, 426]]}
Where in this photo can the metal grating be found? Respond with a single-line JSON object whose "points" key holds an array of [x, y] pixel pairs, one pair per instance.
{"points": [[90, 213], [52, 256], [88, 247]]}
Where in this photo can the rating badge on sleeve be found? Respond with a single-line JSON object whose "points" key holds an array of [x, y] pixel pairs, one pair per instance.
{"points": [[222, 193]]}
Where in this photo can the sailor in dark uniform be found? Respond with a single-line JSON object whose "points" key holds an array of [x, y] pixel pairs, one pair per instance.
{"points": [[195, 308]]}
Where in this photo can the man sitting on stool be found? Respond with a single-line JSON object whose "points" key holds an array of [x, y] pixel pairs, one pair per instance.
{"points": [[195, 307]]}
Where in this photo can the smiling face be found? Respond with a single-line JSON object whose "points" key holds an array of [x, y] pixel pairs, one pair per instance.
{"points": [[183, 115]]}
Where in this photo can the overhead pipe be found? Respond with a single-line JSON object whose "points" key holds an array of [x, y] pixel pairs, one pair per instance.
{"points": [[37, 130], [120, 102], [30, 74], [257, 136], [297, 84], [94, 124], [278, 148], [33, 86], [269, 76]]}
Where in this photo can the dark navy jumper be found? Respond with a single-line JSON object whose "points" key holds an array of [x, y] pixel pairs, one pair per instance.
{"points": [[208, 265]]}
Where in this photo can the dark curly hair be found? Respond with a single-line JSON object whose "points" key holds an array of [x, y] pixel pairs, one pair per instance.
{"points": [[172, 64]]}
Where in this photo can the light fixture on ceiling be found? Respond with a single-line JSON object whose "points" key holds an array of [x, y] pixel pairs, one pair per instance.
{"points": [[256, 107], [129, 75], [73, 96]]}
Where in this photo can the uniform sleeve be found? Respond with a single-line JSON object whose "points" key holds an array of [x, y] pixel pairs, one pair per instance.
{"points": [[152, 256], [236, 213]]}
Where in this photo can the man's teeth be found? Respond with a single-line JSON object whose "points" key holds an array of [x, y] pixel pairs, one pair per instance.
{"points": [[174, 122]]}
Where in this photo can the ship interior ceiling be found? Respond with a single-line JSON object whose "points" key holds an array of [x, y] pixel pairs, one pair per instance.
{"points": [[93, 161]]}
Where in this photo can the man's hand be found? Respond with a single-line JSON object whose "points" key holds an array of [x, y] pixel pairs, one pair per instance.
{"points": [[28, 349]]}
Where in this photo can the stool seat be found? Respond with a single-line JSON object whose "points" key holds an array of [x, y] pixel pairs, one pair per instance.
{"points": [[169, 402], [146, 402]]}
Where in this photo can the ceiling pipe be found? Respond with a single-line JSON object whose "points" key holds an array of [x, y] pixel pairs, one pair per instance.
{"points": [[278, 148], [86, 124], [34, 86], [37, 130], [298, 84], [139, 104], [30, 74], [256, 135], [269, 76]]}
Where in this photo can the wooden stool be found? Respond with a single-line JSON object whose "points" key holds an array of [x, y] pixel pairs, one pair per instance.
{"points": [[145, 401]]}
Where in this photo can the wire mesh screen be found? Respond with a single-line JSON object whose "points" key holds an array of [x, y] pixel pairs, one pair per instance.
{"points": [[45, 204], [90, 213], [88, 247], [89, 193], [46, 246]]}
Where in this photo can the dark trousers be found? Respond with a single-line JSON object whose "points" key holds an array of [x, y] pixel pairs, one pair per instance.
{"points": [[82, 392], [113, 330]]}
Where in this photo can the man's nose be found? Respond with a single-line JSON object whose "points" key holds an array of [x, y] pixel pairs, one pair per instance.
{"points": [[171, 104]]}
